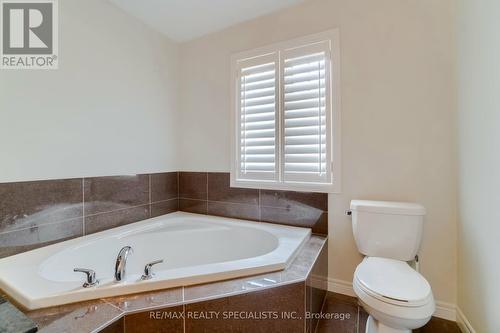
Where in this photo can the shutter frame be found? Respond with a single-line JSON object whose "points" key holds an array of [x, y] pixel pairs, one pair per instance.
{"points": [[333, 162]]}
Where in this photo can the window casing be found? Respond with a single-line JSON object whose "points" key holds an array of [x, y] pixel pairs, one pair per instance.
{"points": [[286, 115]]}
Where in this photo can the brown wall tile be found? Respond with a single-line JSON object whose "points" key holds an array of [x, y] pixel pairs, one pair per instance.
{"points": [[193, 185], [75, 317], [164, 207], [219, 190], [288, 298], [114, 201], [104, 221], [116, 327], [317, 286], [164, 186], [18, 241], [106, 194], [289, 199], [302, 209], [30, 204], [168, 320], [238, 211], [193, 206], [299, 216]]}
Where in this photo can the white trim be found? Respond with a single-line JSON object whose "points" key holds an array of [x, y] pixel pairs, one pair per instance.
{"points": [[463, 323], [334, 162], [444, 310], [341, 287], [289, 186]]}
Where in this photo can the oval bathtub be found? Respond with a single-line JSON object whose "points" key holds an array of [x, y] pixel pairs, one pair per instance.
{"points": [[195, 249]]}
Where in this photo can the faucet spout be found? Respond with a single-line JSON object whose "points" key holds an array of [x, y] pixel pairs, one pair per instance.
{"points": [[121, 262]]}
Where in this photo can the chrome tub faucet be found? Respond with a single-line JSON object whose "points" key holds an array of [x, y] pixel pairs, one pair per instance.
{"points": [[121, 262]]}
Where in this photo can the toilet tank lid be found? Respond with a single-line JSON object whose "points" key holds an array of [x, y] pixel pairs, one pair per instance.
{"points": [[387, 207]]}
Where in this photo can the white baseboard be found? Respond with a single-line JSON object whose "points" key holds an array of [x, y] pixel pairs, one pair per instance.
{"points": [[464, 323], [341, 287], [444, 310]]}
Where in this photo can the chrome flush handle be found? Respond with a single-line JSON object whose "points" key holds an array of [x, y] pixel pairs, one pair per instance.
{"points": [[148, 270], [91, 280]]}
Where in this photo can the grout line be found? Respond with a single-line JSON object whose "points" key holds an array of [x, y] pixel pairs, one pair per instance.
{"points": [[305, 304], [206, 203], [184, 317], [160, 201], [183, 310], [150, 197], [192, 199], [117, 210], [357, 319], [113, 305], [320, 311], [178, 184], [260, 205], [40, 226], [83, 206], [232, 203]]}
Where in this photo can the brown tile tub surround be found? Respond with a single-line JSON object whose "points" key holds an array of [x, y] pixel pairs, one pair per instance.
{"points": [[210, 193], [39, 213], [273, 294], [34, 214], [269, 306], [102, 315]]}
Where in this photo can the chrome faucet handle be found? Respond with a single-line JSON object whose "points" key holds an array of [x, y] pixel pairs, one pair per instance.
{"points": [[91, 280], [148, 270]]}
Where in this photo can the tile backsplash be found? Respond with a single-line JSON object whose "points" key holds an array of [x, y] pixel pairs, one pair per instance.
{"points": [[38, 213], [210, 193]]}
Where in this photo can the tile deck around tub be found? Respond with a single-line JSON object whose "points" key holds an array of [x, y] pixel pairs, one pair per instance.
{"points": [[95, 315]]}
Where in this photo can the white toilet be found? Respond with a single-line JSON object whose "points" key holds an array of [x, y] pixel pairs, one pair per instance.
{"points": [[396, 297]]}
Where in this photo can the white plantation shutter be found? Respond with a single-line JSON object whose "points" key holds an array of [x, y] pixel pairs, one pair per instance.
{"points": [[306, 76], [258, 146], [285, 118]]}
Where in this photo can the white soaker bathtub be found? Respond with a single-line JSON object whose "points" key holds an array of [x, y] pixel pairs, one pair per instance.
{"points": [[195, 249]]}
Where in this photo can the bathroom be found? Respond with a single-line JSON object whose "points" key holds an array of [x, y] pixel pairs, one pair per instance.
{"points": [[249, 166]]}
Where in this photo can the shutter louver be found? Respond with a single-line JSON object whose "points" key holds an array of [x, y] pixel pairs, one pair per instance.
{"points": [[305, 124], [258, 116], [286, 99]]}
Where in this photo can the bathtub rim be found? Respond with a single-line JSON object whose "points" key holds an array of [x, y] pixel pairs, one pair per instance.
{"points": [[123, 289]]}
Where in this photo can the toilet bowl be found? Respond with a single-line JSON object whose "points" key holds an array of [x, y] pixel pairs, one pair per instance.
{"points": [[396, 297]]}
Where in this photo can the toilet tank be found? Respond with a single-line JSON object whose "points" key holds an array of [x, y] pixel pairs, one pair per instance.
{"points": [[387, 229]]}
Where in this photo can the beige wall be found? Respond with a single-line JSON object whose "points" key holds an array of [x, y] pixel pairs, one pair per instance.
{"points": [[109, 109], [479, 160], [398, 113]]}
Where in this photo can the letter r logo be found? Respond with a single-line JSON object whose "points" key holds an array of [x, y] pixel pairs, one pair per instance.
{"points": [[27, 27]]}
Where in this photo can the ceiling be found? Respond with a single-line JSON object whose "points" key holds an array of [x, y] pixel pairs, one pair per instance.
{"points": [[182, 20]]}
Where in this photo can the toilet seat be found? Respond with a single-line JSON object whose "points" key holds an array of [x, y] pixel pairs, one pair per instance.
{"points": [[395, 295], [393, 282]]}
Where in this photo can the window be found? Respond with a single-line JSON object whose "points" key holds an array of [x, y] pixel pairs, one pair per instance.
{"points": [[285, 101]]}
